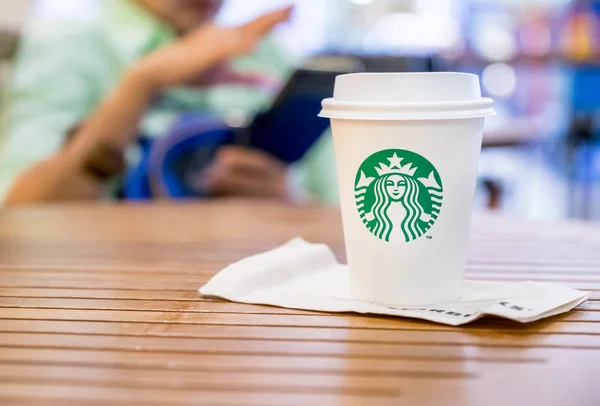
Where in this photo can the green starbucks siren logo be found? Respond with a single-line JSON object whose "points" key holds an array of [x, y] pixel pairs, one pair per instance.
{"points": [[398, 195]]}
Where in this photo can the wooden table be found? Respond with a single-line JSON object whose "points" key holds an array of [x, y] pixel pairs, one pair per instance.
{"points": [[98, 306]]}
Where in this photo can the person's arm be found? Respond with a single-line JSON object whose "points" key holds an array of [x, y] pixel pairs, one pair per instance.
{"points": [[50, 90], [66, 175]]}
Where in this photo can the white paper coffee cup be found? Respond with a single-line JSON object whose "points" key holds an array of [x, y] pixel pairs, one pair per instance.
{"points": [[407, 148]]}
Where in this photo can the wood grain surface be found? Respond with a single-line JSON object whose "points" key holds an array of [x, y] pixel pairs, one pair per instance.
{"points": [[99, 306]]}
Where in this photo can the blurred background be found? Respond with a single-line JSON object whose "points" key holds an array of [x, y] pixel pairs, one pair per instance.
{"points": [[539, 59]]}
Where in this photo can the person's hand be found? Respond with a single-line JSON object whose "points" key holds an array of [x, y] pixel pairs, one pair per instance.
{"points": [[239, 171], [204, 51]]}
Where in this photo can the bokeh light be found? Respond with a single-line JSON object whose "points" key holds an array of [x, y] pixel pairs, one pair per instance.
{"points": [[413, 31], [536, 40], [362, 2], [495, 44], [499, 79]]}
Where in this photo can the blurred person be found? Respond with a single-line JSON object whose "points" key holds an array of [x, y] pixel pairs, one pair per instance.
{"points": [[82, 92]]}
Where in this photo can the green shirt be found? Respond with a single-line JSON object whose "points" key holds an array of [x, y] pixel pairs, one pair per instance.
{"points": [[64, 69]]}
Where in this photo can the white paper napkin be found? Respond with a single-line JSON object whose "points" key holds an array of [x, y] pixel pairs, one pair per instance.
{"points": [[306, 276]]}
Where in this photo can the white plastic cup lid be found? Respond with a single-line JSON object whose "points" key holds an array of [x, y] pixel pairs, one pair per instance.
{"points": [[407, 96]]}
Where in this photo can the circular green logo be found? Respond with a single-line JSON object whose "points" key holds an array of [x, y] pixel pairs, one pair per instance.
{"points": [[398, 195]]}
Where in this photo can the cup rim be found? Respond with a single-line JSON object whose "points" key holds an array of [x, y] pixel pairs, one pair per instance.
{"points": [[482, 101], [411, 74], [427, 110]]}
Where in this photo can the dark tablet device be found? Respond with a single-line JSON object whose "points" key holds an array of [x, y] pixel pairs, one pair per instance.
{"points": [[292, 126]]}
